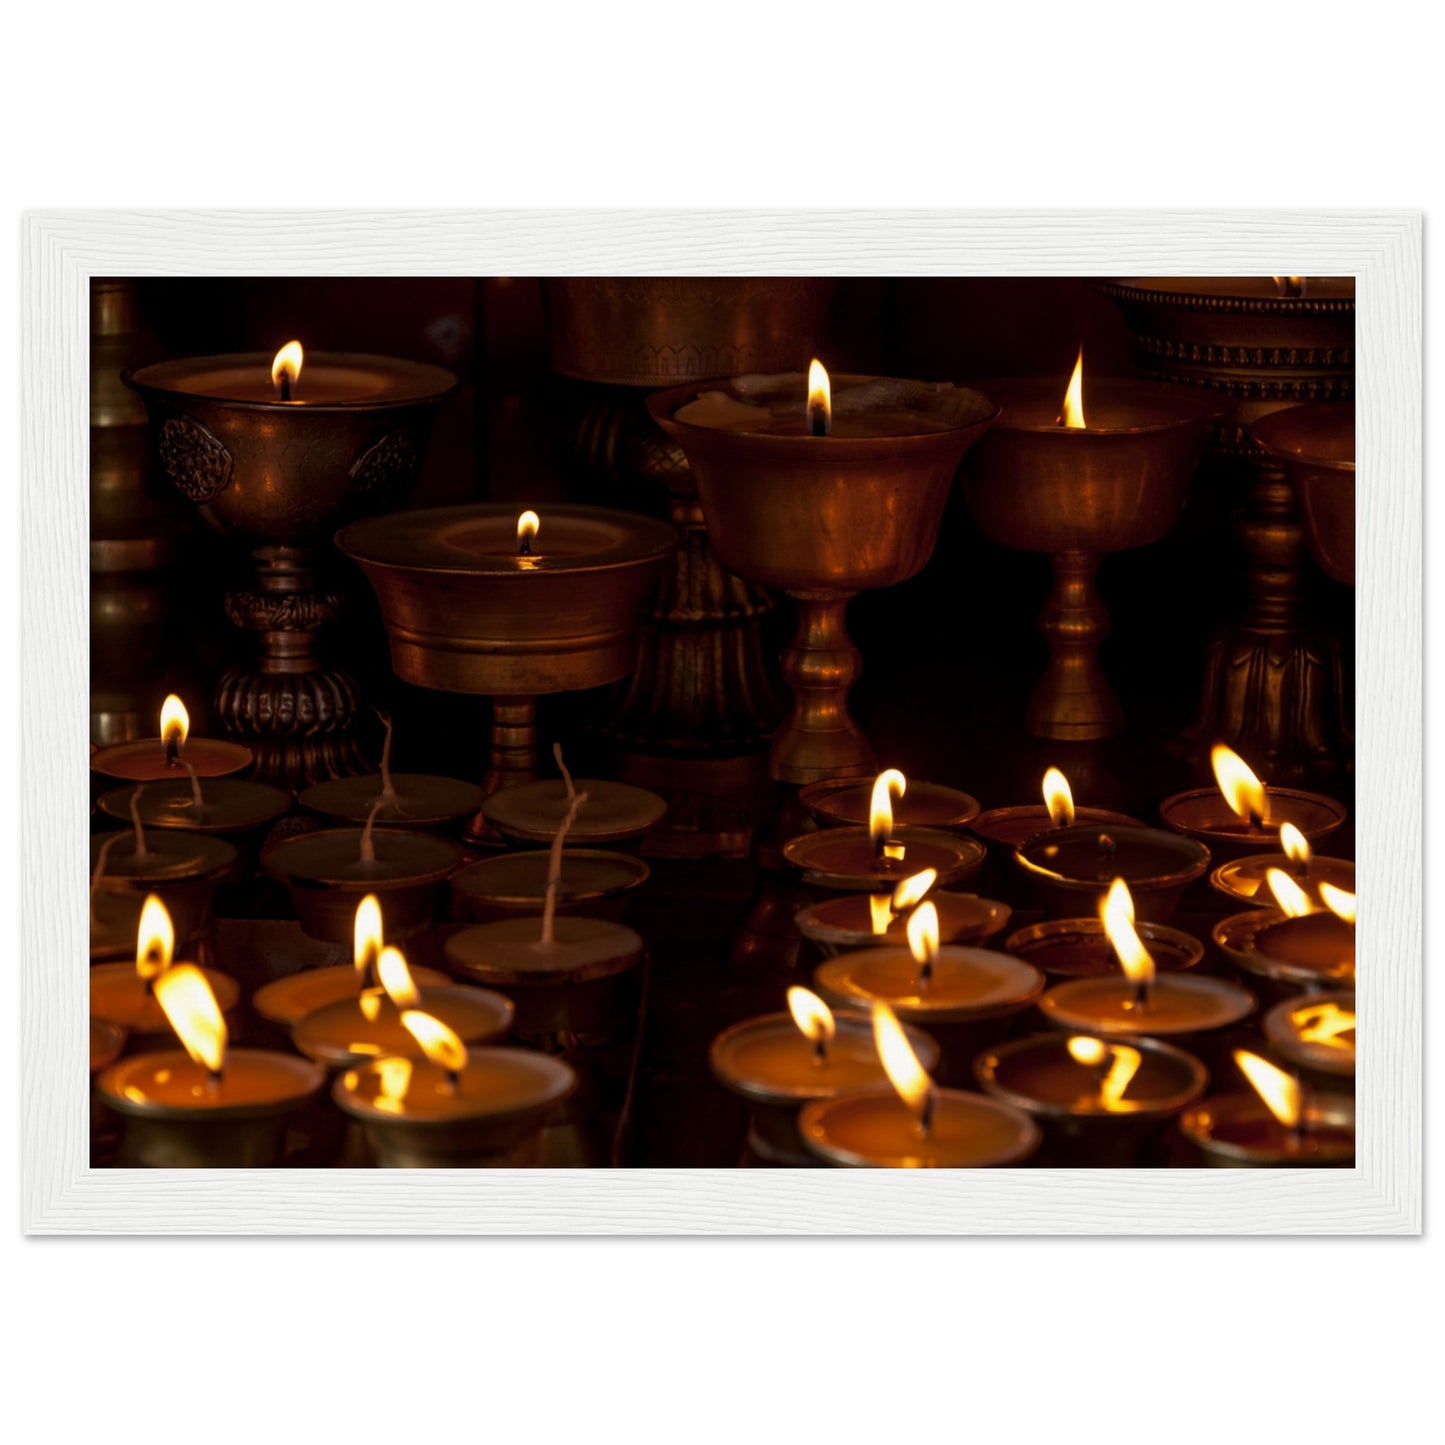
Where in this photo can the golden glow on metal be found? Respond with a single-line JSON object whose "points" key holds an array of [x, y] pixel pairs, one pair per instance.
{"points": [[1324, 1023]]}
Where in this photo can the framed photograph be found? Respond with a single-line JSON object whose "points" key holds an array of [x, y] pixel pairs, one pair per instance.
{"points": [[722, 722]]}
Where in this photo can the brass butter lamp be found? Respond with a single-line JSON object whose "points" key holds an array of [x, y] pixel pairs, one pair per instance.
{"points": [[1103, 467], [274, 451], [477, 600], [823, 511]]}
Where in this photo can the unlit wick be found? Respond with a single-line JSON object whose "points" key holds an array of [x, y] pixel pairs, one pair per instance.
{"points": [[196, 798], [388, 793], [562, 767], [368, 844], [140, 832], [554, 870]]}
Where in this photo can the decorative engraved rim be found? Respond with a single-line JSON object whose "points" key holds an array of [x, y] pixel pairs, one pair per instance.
{"points": [[1119, 290]]}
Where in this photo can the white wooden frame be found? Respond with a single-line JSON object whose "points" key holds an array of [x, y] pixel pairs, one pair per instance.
{"points": [[64, 249]]}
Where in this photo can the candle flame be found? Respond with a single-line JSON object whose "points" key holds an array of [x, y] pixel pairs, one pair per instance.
{"points": [[1289, 285], [1292, 900], [1073, 413], [1294, 843], [812, 1016], [922, 931], [912, 889], [1123, 1065], [175, 720], [287, 364], [528, 525], [393, 1077], [184, 994], [440, 1043], [888, 785], [1118, 916], [880, 911], [396, 978], [155, 939], [899, 1061], [366, 938], [1280, 1091], [820, 398], [1242, 790], [1340, 901], [1058, 798], [1324, 1023]]}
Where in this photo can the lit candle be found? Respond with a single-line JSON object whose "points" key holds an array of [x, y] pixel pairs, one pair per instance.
{"points": [[206, 1105], [167, 756], [1080, 947], [452, 1105], [1243, 879], [1316, 1033], [124, 993], [1138, 1000], [1007, 828], [219, 807], [914, 1125], [1241, 813]]}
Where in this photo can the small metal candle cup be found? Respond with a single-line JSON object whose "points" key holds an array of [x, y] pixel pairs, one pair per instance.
{"points": [[772, 1064], [847, 859], [594, 882], [845, 801], [1284, 954], [1080, 948], [968, 1002], [284, 1002], [181, 869], [467, 612], [176, 1117], [616, 813], [577, 984], [846, 922], [1070, 869], [1316, 444], [1242, 880], [146, 760], [487, 1114], [1180, 1007], [1203, 814], [231, 808], [1003, 829], [418, 800], [1082, 1127], [346, 1033], [1237, 1131], [823, 517], [1115, 481], [1315, 1034], [327, 877], [119, 996]]}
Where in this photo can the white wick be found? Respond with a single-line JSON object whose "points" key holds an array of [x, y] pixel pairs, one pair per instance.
{"points": [[566, 776], [368, 846], [195, 787], [388, 793], [100, 861], [140, 832], [554, 869]]}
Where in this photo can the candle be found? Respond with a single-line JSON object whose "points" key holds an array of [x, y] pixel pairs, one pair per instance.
{"points": [[1315, 1033], [1295, 944], [849, 921], [221, 807], [914, 1125], [1275, 1125], [286, 1001], [206, 1105], [458, 1106], [1080, 948], [124, 993], [1241, 814], [593, 881], [781, 1061], [615, 813], [1136, 1000], [172, 753], [923, 805], [328, 872], [1007, 828], [1100, 1104], [1244, 879], [1071, 868]]}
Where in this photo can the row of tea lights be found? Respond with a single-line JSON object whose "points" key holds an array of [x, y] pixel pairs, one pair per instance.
{"points": [[853, 1087]]}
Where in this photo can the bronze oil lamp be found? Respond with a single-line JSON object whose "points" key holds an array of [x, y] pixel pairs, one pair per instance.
{"points": [[1272, 681], [822, 501], [1078, 477], [694, 719], [478, 600], [274, 452], [1316, 446]]}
